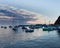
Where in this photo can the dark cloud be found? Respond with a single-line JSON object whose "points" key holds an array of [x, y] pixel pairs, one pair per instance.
{"points": [[17, 17]]}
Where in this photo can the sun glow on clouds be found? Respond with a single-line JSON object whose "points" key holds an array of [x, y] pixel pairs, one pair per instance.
{"points": [[36, 18], [39, 19]]}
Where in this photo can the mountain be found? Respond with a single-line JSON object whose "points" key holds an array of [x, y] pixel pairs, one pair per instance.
{"points": [[57, 22]]}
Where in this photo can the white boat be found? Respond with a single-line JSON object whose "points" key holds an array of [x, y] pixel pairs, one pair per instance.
{"points": [[29, 30]]}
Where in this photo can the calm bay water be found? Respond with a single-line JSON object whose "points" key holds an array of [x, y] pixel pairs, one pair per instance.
{"points": [[36, 39]]}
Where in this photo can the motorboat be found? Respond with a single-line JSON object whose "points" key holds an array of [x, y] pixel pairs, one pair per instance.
{"points": [[48, 28], [29, 30], [24, 27]]}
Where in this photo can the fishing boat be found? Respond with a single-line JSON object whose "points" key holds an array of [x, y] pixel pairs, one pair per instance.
{"points": [[47, 29], [24, 27], [29, 30], [15, 28]]}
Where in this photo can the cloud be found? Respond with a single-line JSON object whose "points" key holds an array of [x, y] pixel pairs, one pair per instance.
{"points": [[5, 17], [35, 17], [24, 16], [6, 6]]}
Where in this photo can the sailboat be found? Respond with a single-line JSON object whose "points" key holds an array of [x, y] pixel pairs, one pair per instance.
{"points": [[47, 27]]}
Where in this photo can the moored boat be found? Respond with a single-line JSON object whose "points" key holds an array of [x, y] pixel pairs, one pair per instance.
{"points": [[29, 30]]}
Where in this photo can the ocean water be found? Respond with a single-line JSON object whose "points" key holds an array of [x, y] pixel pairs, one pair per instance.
{"points": [[21, 39]]}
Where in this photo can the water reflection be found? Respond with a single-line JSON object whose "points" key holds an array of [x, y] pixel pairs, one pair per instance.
{"points": [[58, 33], [20, 39]]}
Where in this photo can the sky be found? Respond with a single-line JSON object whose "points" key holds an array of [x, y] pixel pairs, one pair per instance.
{"points": [[49, 8]]}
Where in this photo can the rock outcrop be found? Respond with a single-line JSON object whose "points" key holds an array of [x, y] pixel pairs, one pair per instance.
{"points": [[57, 22]]}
